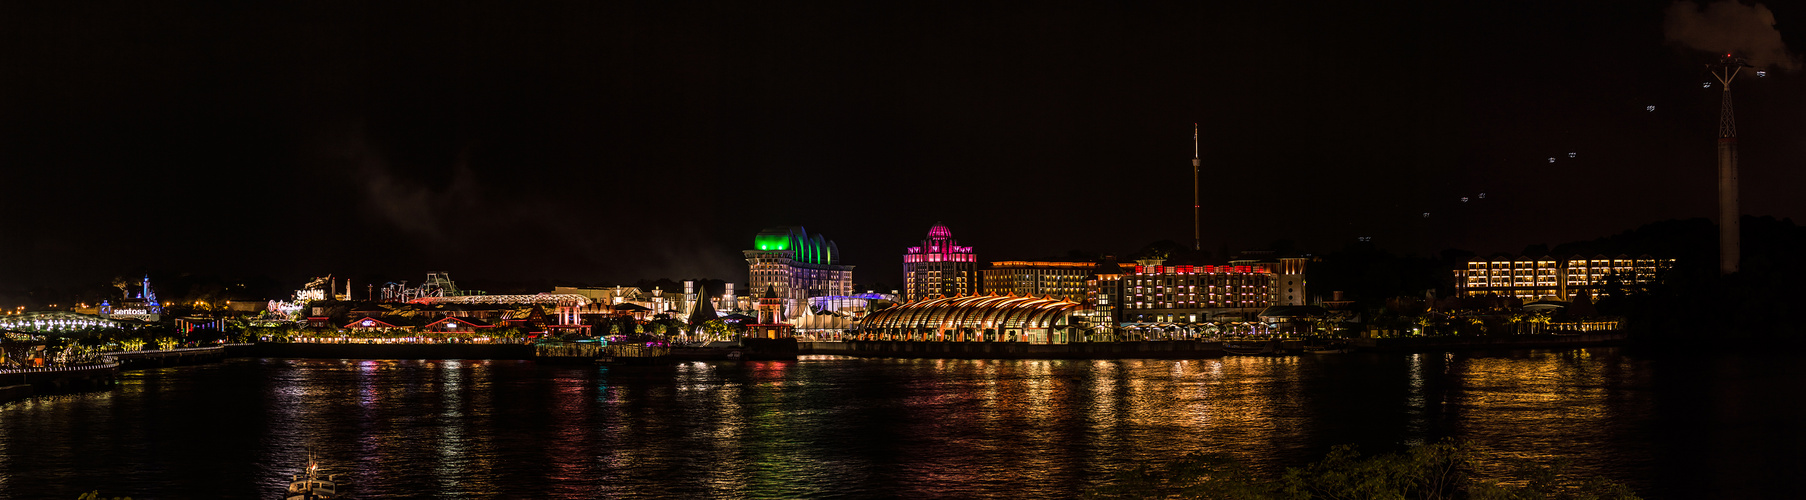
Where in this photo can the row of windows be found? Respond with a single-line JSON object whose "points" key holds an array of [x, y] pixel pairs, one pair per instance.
{"points": [[1191, 305]]}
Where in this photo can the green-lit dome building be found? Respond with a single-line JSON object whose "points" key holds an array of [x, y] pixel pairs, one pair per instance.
{"points": [[797, 265]]}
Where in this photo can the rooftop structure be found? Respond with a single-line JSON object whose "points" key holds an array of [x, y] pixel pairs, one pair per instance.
{"points": [[796, 266], [436, 285]]}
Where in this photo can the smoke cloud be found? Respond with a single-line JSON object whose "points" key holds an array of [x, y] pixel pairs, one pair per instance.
{"points": [[1729, 26]]}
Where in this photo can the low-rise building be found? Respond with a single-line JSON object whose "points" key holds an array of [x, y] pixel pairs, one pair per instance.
{"points": [[1058, 279], [980, 318]]}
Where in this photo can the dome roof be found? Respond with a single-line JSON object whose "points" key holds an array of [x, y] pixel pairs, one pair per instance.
{"points": [[939, 230]]}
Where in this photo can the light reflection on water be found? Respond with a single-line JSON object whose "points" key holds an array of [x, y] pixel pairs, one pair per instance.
{"points": [[826, 426]]}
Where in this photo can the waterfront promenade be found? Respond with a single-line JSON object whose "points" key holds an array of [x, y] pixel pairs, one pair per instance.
{"points": [[759, 349], [1187, 349], [20, 383]]}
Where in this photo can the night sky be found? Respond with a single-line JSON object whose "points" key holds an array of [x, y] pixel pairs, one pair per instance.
{"points": [[606, 142]]}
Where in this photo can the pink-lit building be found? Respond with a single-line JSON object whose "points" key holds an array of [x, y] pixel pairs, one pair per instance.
{"points": [[939, 266]]}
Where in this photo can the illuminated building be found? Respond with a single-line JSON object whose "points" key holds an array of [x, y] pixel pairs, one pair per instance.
{"points": [[796, 266], [188, 324], [1103, 295], [1533, 278], [144, 306], [452, 324], [371, 323], [982, 318], [703, 310], [939, 266], [567, 308], [771, 323], [856, 304], [1156, 293], [1289, 288], [821, 326], [1064, 280]]}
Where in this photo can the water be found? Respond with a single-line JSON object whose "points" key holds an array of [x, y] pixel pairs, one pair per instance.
{"points": [[824, 427]]}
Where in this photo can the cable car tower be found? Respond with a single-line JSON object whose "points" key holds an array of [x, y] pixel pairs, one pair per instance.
{"points": [[1197, 241], [1729, 225]]}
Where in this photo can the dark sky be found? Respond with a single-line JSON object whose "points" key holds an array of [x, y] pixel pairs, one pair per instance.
{"points": [[607, 142]]}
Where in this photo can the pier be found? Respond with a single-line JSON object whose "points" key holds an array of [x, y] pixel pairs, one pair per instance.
{"points": [[21, 383]]}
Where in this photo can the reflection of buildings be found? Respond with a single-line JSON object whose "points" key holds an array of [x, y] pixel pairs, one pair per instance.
{"points": [[796, 266], [939, 266], [1540, 277], [1064, 280]]}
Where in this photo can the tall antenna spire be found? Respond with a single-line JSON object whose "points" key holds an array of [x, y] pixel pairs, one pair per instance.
{"points": [[1197, 241], [1729, 214]]}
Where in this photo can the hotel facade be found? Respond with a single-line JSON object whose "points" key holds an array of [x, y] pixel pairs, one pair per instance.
{"points": [[1533, 278], [1061, 280], [1157, 293]]}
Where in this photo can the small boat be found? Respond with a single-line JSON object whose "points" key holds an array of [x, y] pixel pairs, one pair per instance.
{"points": [[1328, 349], [312, 485]]}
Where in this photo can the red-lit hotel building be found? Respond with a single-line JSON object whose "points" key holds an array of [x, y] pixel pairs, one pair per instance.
{"points": [[1157, 293], [939, 266]]}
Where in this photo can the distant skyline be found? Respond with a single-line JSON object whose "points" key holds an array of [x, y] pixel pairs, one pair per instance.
{"points": [[607, 143]]}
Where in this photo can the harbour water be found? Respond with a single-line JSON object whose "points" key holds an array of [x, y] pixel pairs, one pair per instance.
{"points": [[1672, 426]]}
